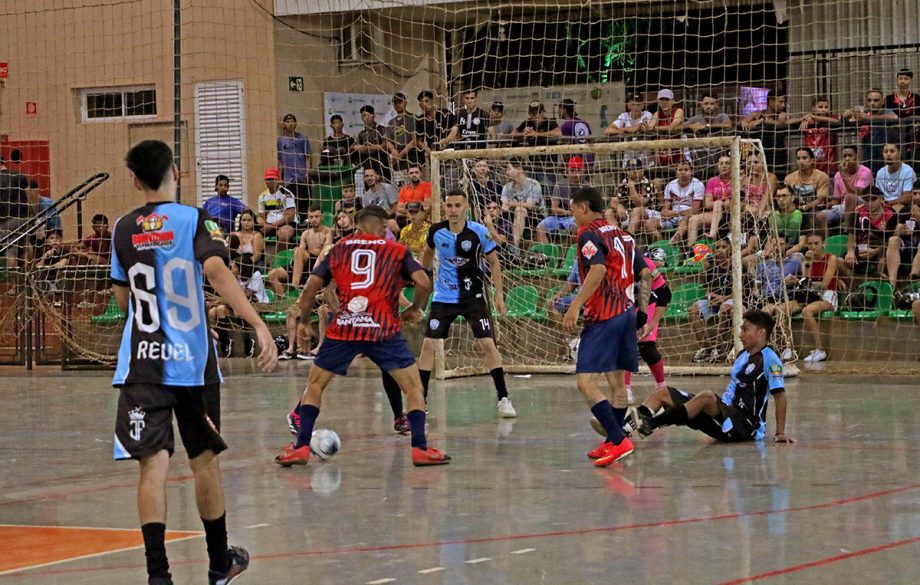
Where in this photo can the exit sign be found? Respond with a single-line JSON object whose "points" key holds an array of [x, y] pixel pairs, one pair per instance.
{"points": [[295, 84]]}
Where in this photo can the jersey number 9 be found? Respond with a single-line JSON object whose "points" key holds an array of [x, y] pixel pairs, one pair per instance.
{"points": [[142, 278]]}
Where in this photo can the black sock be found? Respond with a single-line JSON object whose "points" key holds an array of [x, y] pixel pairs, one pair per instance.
{"points": [[155, 549], [394, 394], [417, 428], [426, 377], [620, 414], [215, 534], [672, 416], [308, 414], [498, 376], [604, 413]]}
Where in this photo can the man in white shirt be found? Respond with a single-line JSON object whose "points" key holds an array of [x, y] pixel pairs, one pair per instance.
{"points": [[683, 197], [636, 119], [895, 179], [277, 214]]}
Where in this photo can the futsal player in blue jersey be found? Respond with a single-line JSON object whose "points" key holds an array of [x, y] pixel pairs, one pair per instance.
{"points": [[740, 413], [460, 246], [167, 362]]}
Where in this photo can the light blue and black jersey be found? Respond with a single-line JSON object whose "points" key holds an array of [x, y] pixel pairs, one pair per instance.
{"points": [[753, 379], [460, 255], [157, 252]]}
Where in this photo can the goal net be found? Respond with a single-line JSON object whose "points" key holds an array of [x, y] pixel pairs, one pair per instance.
{"points": [[710, 260]]}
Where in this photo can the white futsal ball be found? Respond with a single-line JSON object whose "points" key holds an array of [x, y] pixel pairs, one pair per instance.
{"points": [[573, 348], [325, 443]]}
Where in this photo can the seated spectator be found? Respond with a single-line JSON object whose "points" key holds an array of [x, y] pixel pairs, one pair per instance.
{"points": [[709, 120], [710, 317], [483, 189], [787, 219], [96, 248], [904, 244], [417, 191], [498, 127], [223, 207], [52, 221], [501, 231], [373, 149], [818, 136], [522, 199], [379, 192], [315, 242], [772, 269], [813, 294], [666, 120], [538, 130], [876, 222], [52, 254], [349, 203], [559, 219], [850, 182], [344, 226], [635, 195], [277, 211], [561, 300], [810, 186], [896, 179], [246, 244], [683, 198], [717, 200], [415, 234], [757, 188], [872, 126], [636, 119], [337, 147]]}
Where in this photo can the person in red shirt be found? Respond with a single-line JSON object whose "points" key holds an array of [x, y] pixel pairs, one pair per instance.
{"points": [[818, 136], [608, 343], [905, 104], [96, 248], [369, 272], [416, 190]]}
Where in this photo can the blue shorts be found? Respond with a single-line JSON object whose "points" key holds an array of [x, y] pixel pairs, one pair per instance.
{"points": [[562, 304], [389, 354], [609, 345], [555, 223]]}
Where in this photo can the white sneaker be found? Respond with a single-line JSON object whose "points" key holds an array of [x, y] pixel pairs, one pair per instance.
{"points": [[714, 356], [701, 355], [630, 397], [506, 409], [816, 355], [787, 355]]}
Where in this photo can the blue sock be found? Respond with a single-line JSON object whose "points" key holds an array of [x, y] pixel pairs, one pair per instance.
{"points": [[308, 414], [604, 413], [417, 427], [620, 413]]}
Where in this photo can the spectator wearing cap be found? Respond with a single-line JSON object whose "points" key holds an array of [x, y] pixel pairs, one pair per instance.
{"points": [[522, 199], [634, 120], [373, 149], [707, 121], [538, 130], [401, 132], [574, 128], [635, 194], [294, 161], [337, 147], [560, 217], [277, 209], [904, 103], [469, 126], [415, 233], [223, 207], [498, 128], [414, 191], [667, 119]]}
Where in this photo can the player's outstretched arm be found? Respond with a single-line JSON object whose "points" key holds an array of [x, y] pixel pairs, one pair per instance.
{"points": [[226, 285], [779, 403]]}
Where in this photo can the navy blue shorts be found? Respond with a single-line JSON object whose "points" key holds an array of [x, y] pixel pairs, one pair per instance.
{"points": [[609, 345], [390, 354]]}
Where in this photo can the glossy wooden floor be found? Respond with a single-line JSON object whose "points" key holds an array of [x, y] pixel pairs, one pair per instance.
{"points": [[520, 504]]}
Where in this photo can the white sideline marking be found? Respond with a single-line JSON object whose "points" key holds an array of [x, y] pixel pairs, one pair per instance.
{"points": [[479, 560], [381, 581], [523, 551], [258, 526], [431, 570]]}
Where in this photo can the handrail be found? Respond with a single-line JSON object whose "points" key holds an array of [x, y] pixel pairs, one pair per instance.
{"points": [[35, 222]]}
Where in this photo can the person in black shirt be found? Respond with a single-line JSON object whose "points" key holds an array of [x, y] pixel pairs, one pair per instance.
{"points": [[338, 146], [470, 125], [373, 149], [538, 130], [431, 125]]}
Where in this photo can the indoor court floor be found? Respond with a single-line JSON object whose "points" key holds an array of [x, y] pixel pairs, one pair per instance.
{"points": [[520, 504]]}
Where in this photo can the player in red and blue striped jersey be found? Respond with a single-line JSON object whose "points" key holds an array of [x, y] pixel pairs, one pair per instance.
{"points": [[369, 272], [608, 343]]}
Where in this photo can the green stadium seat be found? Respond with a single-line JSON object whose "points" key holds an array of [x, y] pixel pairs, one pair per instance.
{"points": [[878, 295], [113, 315], [681, 300], [522, 302], [571, 256], [283, 259], [553, 255], [328, 219], [836, 245]]}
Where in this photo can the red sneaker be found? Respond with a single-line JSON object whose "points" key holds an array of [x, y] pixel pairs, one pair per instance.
{"points": [[599, 452], [291, 455], [401, 425], [421, 457], [615, 452]]}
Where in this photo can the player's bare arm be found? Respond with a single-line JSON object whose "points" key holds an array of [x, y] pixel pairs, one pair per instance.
{"points": [[779, 403], [497, 281], [420, 300], [592, 281]]}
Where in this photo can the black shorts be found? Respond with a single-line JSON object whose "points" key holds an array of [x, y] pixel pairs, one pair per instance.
{"points": [[475, 312], [143, 424], [740, 429]]}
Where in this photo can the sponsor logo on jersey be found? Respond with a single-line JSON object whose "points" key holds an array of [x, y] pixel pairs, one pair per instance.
{"points": [[588, 250], [357, 304], [457, 261], [152, 236], [776, 370], [136, 421], [357, 315]]}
